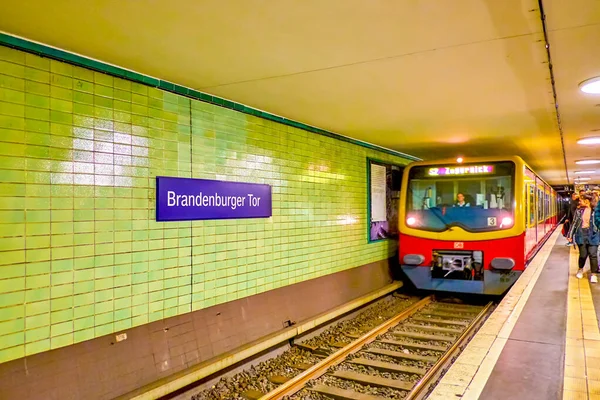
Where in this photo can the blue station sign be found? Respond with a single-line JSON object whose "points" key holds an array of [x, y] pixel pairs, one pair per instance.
{"points": [[186, 199]]}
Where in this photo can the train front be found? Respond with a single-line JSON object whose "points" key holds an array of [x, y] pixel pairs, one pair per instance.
{"points": [[459, 231]]}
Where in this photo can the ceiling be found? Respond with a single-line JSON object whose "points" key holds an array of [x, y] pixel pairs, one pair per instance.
{"points": [[431, 78]]}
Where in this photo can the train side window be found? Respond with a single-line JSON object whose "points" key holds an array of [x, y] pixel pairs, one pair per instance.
{"points": [[540, 203], [384, 183], [525, 204], [531, 205]]}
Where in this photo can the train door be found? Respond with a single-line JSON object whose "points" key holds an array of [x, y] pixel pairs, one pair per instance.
{"points": [[530, 211], [539, 192], [549, 205]]}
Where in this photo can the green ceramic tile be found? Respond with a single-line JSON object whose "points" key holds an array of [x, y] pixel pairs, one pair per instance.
{"points": [[61, 81], [61, 68], [103, 79], [35, 61], [61, 341], [83, 74], [83, 335], [33, 74], [11, 353], [12, 109], [38, 346]]}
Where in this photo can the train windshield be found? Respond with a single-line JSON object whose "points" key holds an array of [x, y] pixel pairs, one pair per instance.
{"points": [[475, 197]]}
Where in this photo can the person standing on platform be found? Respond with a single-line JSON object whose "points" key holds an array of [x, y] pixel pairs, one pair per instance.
{"points": [[584, 231], [571, 208]]}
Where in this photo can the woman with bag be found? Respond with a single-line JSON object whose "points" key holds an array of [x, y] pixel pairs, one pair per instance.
{"points": [[584, 231], [570, 214]]}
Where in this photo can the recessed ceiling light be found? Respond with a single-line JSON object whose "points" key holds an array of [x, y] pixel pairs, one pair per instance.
{"points": [[589, 140], [587, 162], [585, 172], [591, 86]]}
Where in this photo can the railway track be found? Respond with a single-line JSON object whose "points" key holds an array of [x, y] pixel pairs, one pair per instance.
{"points": [[400, 359]]}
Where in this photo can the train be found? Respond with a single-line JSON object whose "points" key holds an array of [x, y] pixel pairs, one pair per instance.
{"points": [[472, 225]]}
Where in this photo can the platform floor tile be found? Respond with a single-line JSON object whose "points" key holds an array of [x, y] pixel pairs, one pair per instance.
{"points": [[582, 347]]}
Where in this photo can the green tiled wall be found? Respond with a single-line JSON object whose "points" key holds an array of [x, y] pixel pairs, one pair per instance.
{"points": [[81, 254]]}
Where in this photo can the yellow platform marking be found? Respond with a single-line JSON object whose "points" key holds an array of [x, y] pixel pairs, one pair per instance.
{"points": [[476, 362], [582, 347]]}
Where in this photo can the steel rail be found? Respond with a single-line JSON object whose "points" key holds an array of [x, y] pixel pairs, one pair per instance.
{"points": [[419, 390], [299, 381]]}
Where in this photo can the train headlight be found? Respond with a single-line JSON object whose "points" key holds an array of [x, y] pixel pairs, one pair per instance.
{"points": [[411, 221], [507, 221]]}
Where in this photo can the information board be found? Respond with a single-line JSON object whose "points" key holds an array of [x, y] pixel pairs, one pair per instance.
{"points": [[378, 193]]}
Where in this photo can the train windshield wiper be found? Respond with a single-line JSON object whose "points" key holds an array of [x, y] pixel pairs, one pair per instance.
{"points": [[439, 216]]}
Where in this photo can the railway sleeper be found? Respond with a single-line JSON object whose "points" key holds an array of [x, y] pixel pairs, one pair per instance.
{"points": [[413, 345], [400, 355], [453, 331], [302, 366], [252, 394], [473, 311], [388, 367], [371, 380], [440, 321], [343, 394], [423, 336], [457, 306], [338, 345], [278, 379], [444, 314], [353, 335], [307, 347], [316, 350]]}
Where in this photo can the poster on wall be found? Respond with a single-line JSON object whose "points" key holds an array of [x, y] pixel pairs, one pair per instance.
{"points": [[378, 193], [187, 199]]}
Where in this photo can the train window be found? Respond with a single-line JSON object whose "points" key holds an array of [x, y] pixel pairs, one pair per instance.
{"points": [[525, 204], [474, 197], [384, 197], [540, 205], [531, 205]]}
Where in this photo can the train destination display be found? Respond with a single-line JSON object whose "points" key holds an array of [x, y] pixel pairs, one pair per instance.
{"points": [[186, 199], [464, 170]]}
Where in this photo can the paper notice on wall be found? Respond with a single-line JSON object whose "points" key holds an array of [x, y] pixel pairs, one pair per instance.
{"points": [[378, 193]]}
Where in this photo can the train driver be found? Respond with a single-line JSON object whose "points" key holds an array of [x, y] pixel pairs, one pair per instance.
{"points": [[461, 201]]}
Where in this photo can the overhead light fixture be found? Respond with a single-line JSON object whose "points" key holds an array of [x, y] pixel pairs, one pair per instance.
{"points": [[589, 140], [587, 162], [459, 160], [582, 179], [585, 172], [590, 86]]}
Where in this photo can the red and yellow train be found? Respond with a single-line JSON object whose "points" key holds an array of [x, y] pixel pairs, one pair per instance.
{"points": [[472, 226]]}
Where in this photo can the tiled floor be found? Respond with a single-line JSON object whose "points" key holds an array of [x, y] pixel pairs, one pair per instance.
{"points": [[582, 347]]}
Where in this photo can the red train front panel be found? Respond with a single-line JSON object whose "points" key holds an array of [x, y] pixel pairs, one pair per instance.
{"points": [[486, 266]]}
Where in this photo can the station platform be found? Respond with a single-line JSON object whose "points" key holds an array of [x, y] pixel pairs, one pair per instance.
{"points": [[541, 342]]}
